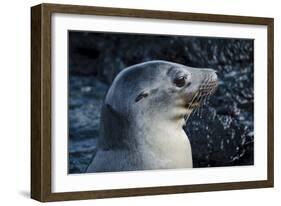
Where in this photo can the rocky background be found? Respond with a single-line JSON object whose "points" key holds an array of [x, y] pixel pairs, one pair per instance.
{"points": [[221, 132]]}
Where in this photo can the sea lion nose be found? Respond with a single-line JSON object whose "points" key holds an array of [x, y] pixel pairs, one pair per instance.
{"points": [[210, 75], [209, 82], [213, 76]]}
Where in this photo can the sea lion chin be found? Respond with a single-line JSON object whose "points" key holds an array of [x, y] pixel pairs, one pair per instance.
{"points": [[143, 114]]}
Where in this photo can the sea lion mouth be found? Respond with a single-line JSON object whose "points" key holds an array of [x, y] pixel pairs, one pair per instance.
{"points": [[204, 91]]}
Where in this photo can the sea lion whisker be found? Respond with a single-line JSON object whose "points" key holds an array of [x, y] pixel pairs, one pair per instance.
{"points": [[198, 98], [192, 101], [203, 97], [204, 91]]}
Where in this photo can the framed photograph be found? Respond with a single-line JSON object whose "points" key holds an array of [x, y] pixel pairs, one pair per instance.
{"points": [[132, 102]]}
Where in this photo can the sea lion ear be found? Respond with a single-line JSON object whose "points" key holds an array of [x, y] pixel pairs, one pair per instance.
{"points": [[145, 94], [142, 95]]}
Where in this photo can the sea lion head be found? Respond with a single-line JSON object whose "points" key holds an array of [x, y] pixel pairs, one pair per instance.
{"points": [[159, 91]]}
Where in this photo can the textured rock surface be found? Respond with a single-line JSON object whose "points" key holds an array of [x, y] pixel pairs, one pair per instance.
{"points": [[221, 131]]}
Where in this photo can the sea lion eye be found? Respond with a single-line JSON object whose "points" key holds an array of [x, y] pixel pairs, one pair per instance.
{"points": [[180, 81]]}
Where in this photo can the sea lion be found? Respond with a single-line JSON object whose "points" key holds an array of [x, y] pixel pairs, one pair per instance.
{"points": [[143, 116]]}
